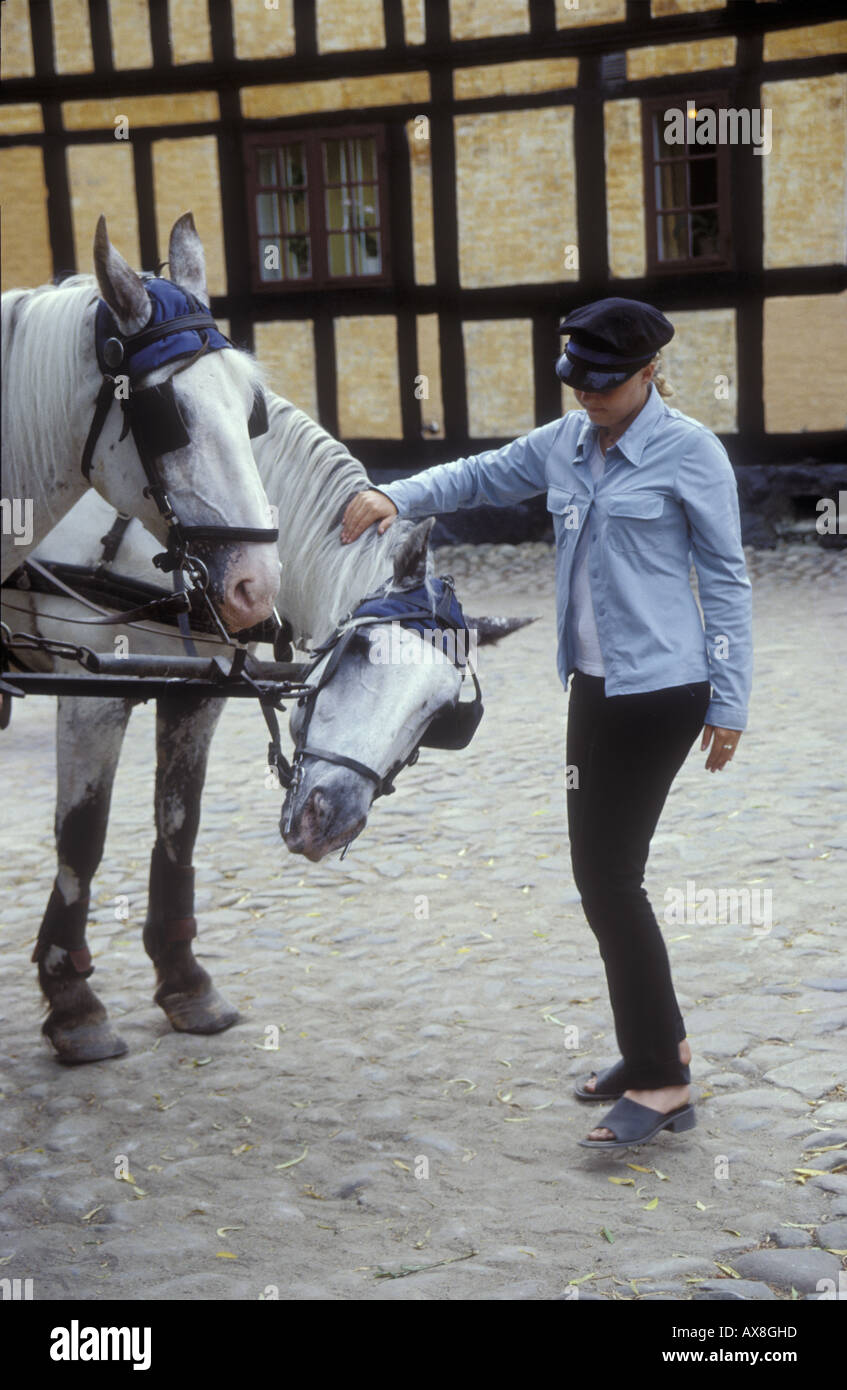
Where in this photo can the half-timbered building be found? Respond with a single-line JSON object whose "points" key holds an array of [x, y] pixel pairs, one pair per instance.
{"points": [[401, 198]]}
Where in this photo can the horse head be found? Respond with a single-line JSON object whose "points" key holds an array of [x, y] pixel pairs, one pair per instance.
{"points": [[187, 468], [377, 692]]}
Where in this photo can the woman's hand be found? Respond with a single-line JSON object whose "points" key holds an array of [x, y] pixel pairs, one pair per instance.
{"points": [[724, 743], [366, 508]]}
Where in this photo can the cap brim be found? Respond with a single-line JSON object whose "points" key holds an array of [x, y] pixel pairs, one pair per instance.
{"points": [[580, 377]]}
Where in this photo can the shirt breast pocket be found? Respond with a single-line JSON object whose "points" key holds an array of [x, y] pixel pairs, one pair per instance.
{"points": [[638, 522], [566, 511]]}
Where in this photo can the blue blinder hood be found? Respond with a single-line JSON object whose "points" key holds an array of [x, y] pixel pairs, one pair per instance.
{"points": [[413, 608], [169, 303]]}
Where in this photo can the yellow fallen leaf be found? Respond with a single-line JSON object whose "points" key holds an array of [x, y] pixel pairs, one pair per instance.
{"points": [[516, 1119], [623, 1182], [651, 1206], [222, 1230], [469, 1085], [404, 1166], [582, 1278], [639, 1168], [702, 1207], [225, 1255], [139, 1191], [242, 1149], [200, 1061], [727, 1269], [126, 1177], [729, 1231]]}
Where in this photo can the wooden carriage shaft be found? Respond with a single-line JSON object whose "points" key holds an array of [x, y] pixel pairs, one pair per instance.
{"points": [[146, 687]]}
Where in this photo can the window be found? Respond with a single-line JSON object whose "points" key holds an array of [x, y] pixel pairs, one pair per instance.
{"points": [[687, 184], [318, 208]]}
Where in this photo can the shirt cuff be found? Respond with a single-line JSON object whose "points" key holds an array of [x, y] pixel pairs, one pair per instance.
{"points": [[722, 716]]}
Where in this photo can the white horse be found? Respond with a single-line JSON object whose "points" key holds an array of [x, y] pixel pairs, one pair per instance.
{"points": [[370, 713], [51, 383]]}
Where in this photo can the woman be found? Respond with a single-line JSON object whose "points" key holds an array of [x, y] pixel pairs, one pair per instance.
{"points": [[637, 490]]}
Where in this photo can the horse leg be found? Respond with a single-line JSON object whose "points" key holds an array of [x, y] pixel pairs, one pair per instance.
{"points": [[184, 730], [88, 744]]}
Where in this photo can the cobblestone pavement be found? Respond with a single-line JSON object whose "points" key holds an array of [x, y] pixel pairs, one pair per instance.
{"points": [[413, 1114]]}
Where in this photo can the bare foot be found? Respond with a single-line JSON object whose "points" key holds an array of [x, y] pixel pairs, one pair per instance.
{"points": [[667, 1098]]}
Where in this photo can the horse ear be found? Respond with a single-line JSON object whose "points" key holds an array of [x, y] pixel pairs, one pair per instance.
{"points": [[186, 258], [120, 287], [410, 560]]}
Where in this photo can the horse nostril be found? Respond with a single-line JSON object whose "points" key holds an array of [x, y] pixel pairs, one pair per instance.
{"points": [[243, 595], [319, 808]]}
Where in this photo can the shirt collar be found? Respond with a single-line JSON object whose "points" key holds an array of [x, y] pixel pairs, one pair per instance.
{"points": [[633, 440]]}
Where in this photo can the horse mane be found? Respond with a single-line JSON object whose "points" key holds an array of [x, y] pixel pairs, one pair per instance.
{"points": [[311, 477], [43, 344]]}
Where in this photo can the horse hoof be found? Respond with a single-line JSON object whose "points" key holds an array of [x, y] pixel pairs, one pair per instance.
{"points": [[85, 1042], [198, 1013]]}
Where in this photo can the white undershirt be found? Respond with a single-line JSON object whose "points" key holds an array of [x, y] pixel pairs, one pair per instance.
{"points": [[587, 652]]}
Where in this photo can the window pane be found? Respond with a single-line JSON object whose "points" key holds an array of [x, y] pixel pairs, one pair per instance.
{"points": [[298, 260], [672, 237], [703, 176], [296, 212], [267, 168], [661, 150], [340, 255], [364, 205], [270, 260], [335, 161], [364, 159], [671, 185], [337, 207], [267, 213], [368, 258], [294, 166], [704, 233]]}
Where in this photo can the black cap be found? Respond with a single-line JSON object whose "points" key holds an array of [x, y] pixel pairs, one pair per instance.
{"points": [[609, 341]]}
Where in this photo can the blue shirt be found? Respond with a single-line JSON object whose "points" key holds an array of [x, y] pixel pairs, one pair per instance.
{"points": [[668, 497]]}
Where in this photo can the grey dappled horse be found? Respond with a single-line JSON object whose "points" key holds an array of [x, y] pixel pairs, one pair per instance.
{"points": [[372, 713]]}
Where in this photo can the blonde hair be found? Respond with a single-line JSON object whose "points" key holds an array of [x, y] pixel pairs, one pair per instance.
{"points": [[661, 382]]}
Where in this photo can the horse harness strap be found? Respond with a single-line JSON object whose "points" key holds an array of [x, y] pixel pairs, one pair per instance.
{"points": [[181, 328]]}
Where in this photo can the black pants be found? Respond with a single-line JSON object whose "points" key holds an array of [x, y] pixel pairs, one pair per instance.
{"points": [[626, 750]]}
